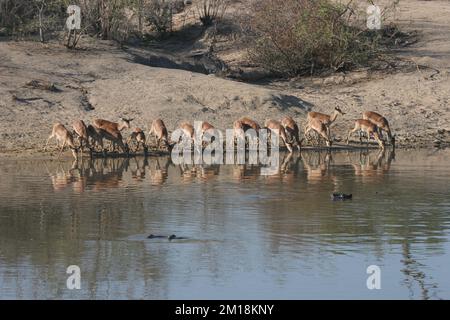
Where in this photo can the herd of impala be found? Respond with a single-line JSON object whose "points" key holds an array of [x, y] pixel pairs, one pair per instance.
{"points": [[92, 136]]}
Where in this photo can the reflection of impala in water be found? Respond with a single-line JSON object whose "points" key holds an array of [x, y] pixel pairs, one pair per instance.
{"points": [[286, 171], [190, 173], [372, 167], [159, 171], [242, 172], [317, 167], [98, 175]]}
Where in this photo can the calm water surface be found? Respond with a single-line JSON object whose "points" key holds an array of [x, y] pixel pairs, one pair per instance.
{"points": [[247, 235]]}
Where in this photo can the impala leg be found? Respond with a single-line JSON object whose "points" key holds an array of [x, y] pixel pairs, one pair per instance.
{"points": [[62, 147], [349, 134], [287, 144], [380, 132], [306, 134], [48, 140]]}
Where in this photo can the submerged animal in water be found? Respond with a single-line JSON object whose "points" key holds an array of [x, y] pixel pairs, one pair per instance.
{"points": [[341, 196], [170, 238]]}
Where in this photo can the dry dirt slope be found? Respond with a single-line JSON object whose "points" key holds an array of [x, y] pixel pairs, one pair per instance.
{"points": [[103, 81], [104, 77]]}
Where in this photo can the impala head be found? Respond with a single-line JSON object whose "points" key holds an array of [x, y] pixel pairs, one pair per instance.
{"points": [[125, 122], [339, 110]]}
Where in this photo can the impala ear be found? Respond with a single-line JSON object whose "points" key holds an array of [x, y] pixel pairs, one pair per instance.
{"points": [[339, 110]]}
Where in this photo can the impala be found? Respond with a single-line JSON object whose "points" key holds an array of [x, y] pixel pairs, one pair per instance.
{"points": [[159, 129], [326, 119], [369, 128], [112, 126], [115, 137], [381, 122], [292, 130], [96, 136], [81, 131], [64, 136], [275, 126], [113, 129], [239, 129], [205, 127], [250, 123], [319, 127], [188, 131], [139, 136]]}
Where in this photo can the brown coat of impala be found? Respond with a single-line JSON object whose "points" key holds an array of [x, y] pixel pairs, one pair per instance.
{"points": [[63, 136], [292, 129], [319, 127], [115, 137], [381, 122], [80, 129], [369, 128], [275, 126], [188, 130], [239, 129], [139, 136], [326, 119], [159, 130], [112, 126], [205, 126], [250, 123], [96, 136]]}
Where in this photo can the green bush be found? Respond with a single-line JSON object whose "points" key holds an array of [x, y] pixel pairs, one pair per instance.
{"points": [[292, 37]]}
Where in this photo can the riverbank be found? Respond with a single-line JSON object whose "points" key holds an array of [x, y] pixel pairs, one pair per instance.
{"points": [[43, 84]]}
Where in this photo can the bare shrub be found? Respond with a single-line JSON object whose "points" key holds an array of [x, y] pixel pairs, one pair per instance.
{"points": [[159, 14], [23, 17], [209, 11]]}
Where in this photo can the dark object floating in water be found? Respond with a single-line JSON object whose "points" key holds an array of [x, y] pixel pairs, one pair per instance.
{"points": [[174, 237], [341, 196], [170, 238], [152, 236]]}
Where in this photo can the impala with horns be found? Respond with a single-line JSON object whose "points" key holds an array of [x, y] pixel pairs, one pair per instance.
{"points": [[159, 130], [63, 136], [275, 126], [292, 130], [319, 127], [326, 119], [382, 124], [370, 129]]}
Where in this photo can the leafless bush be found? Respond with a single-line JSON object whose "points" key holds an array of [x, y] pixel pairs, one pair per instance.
{"points": [[22, 17], [209, 11], [159, 14]]}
